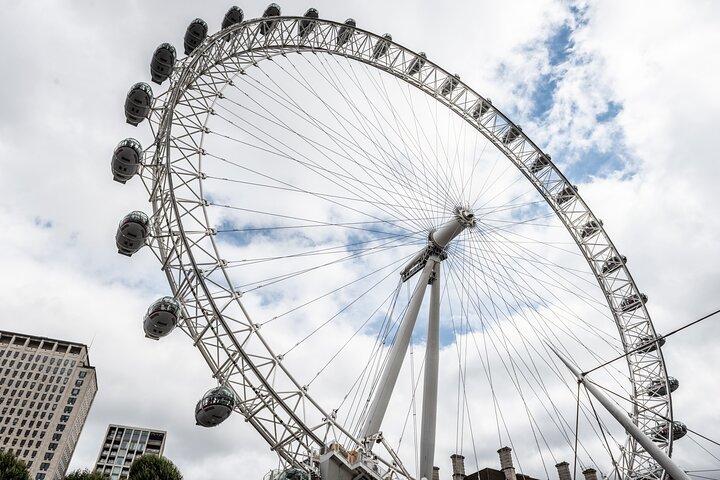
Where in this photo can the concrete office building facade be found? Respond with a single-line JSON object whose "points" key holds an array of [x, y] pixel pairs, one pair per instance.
{"points": [[47, 387]]}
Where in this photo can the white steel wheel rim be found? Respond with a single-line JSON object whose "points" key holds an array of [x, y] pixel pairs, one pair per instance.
{"points": [[179, 231]]}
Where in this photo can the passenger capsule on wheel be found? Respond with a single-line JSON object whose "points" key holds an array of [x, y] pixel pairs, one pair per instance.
{"points": [[658, 387], [633, 302], [163, 61], [417, 63], [345, 32], [613, 263], [566, 194], [449, 85], [232, 17], [481, 108], [306, 26], [126, 160], [649, 344], [591, 228], [661, 433], [132, 233], [195, 34], [138, 102], [273, 10], [540, 163], [381, 46], [292, 474], [161, 317], [215, 407], [511, 134], [656, 474]]}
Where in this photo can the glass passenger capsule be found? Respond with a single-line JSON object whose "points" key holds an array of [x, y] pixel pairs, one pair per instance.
{"points": [[613, 263], [292, 474], [661, 433], [195, 35], [233, 16], [540, 163], [138, 102], [161, 317], [649, 344], [481, 108], [273, 10], [132, 233], [633, 302], [658, 387], [381, 46], [162, 63], [126, 160], [566, 194], [511, 134], [214, 407], [591, 228], [449, 85], [306, 26], [345, 32], [417, 63]]}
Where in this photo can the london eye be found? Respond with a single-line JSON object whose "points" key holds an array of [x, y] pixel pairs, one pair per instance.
{"points": [[378, 266]]}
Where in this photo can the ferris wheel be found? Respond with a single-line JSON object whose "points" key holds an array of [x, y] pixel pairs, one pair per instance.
{"points": [[380, 268]]}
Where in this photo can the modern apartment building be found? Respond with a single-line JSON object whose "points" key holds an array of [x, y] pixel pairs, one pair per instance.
{"points": [[46, 389], [124, 444]]}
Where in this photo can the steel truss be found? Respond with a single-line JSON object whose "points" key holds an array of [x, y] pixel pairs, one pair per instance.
{"points": [[270, 398]]}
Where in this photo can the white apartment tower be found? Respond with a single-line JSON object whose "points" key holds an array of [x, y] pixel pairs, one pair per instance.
{"points": [[123, 444], [46, 389]]}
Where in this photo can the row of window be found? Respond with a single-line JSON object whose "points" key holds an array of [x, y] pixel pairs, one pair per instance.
{"points": [[31, 367], [33, 358], [42, 397]]}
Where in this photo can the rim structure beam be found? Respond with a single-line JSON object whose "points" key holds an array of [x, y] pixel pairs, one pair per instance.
{"points": [[179, 120], [430, 385]]}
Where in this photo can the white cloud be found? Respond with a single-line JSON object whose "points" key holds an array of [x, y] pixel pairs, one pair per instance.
{"points": [[64, 83]]}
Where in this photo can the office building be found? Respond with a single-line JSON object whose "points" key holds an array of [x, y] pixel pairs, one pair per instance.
{"points": [[47, 387], [122, 445]]}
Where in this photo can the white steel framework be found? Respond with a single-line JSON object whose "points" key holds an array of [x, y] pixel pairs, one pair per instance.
{"points": [[234, 347]]}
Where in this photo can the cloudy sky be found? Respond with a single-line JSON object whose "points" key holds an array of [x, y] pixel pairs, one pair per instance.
{"points": [[622, 95]]}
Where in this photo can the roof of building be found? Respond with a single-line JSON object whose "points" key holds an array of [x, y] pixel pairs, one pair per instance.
{"points": [[36, 337], [492, 474]]}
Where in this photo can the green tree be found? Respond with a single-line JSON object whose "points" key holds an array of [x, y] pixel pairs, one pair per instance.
{"points": [[85, 475], [153, 467], [12, 468]]}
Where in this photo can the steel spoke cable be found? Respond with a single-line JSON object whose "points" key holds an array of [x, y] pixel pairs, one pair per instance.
{"points": [[535, 427], [312, 90], [344, 176], [354, 334], [542, 317], [397, 220], [480, 254], [421, 156], [566, 430], [339, 86], [279, 278], [527, 257], [335, 290], [539, 375], [399, 121]]}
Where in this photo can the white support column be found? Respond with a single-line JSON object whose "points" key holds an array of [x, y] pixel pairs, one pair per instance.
{"points": [[646, 442], [397, 355], [430, 385]]}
